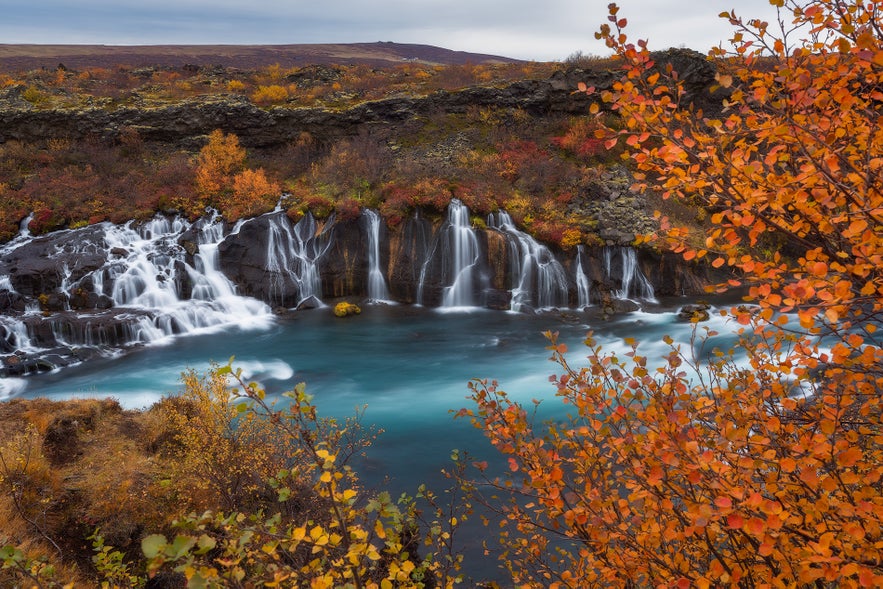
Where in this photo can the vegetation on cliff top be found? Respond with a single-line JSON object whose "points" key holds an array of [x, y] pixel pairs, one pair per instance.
{"points": [[543, 170]]}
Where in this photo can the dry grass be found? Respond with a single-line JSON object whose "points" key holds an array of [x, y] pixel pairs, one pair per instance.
{"points": [[70, 468]]}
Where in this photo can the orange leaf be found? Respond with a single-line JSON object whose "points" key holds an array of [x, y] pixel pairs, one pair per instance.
{"points": [[724, 502]]}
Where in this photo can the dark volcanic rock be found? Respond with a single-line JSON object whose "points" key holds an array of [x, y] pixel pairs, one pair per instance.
{"points": [[243, 259], [408, 250], [42, 264], [189, 121], [265, 259], [344, 266]]}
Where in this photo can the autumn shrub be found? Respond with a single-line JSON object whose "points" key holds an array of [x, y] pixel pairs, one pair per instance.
{"points": [[34, 95], [550, 231], [580, 139], [266, 95], [481, 198], [252, 194], [431, 193], [396, 203], [217, 163], [235, 86], [520, 207], [218, 458], [320, 205], [758, 466], [347, 209], [350, 537]]}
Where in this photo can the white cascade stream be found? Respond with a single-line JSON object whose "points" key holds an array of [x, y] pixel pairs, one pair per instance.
{"points": [[633, 282], [583, 293], [377, 287], [457, 246], [539, 280], [293, 254], [146, 277]]}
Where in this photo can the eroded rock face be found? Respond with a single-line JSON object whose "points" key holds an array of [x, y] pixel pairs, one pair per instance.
{"points": [[44, 264], [56, 307], [344, 266], [408, 248], [189, 121]]}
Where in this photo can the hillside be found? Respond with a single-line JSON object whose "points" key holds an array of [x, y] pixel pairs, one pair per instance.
{"points": [[28, 57]]}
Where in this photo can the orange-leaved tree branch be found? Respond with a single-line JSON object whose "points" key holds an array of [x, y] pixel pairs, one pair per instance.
{"points": [[712, 469]]}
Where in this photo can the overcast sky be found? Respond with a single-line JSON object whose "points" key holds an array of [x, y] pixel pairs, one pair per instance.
{"points": [[525, 29]]}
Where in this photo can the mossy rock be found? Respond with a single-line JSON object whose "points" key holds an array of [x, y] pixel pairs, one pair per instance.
{"points": [[345, 309]]}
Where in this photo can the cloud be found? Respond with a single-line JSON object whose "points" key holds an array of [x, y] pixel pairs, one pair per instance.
{"points": [[525, 29]]}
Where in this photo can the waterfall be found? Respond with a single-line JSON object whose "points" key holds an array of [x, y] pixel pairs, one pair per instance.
{"points": [[455, 245], [377, 288], [152, 276], [292, 257], [14, 335], [632, 280], [538, 279], [143, 274], [583, 298], [146, 277]]}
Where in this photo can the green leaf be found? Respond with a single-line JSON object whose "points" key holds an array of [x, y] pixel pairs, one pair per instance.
{"points": [[205, 543], [152, 545], [180, 546]]}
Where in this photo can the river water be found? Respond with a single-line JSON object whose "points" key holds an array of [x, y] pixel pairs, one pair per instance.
{"points": [[409, 367]]}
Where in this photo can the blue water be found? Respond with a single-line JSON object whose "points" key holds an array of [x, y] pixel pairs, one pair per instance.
{"points": [[408, 365]]}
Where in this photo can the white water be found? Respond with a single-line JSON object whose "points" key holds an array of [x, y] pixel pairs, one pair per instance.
{"points": [[145, 274], [583, 294], [15, 333], [634, 283], [457, 245], [538, 279], [148, 281], [292, 257], [377, 288]]}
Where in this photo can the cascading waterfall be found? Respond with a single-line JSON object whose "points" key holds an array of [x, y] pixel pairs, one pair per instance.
{"points": [[583, 295], [292, 258], [538, 280], [457, 247], [150, 280], [14, 335], [632, 280], [377, 288], [155, 293]]}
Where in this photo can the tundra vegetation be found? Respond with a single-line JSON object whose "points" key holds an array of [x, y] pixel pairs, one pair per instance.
{"points": [[486, 156], [714, 469]]}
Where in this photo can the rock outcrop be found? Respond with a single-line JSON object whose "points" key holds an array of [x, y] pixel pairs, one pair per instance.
{"points": [[74, 294], [188, 121]]}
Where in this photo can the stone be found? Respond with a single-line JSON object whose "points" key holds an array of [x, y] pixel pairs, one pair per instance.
{"points": [[695, 312]]}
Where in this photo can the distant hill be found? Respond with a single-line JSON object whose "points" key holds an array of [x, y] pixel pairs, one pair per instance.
{"points": [[27, 57]]}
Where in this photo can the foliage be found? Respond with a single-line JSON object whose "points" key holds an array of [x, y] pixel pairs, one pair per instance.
{"points": [[252, 195], [346, 537], [480, 156], [218, 161], [221, 458], [273, 94], [713, 469], [345, 309]]}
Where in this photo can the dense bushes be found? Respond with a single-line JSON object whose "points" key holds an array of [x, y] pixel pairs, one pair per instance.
{"points": [[244, 491]]}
